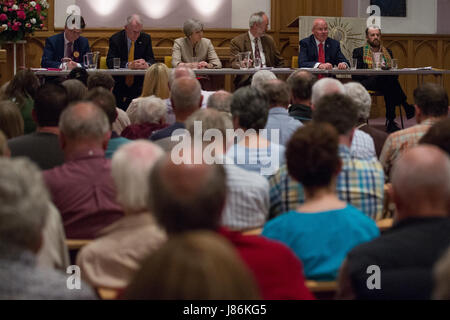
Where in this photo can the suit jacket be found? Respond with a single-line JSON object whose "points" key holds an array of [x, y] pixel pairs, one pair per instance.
{"points": [[54, 50], [118, 48], [309, 54], [183, 52], [242, 43]]}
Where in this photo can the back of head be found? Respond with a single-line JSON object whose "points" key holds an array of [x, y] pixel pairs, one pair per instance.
{"points": [[84, 121], [251, 107], [301, 83], [23, 86], [130, 168], [421, 182], [194, 266], [337, 110], [220, 100], [278, 93], [180, 72], [432, 100], [51, 100], [439, 135], [100, 79], [79, 74], [186, 95], [105, 100], [149, 110], [24, 203], [325, 87], [156, 81], [76, 90], [360, 97], [187, 197], [11, 120], [312, 155], [262, 76]]}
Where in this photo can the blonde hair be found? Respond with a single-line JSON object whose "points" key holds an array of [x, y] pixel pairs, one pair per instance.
{"points": [[11, 120], [156, 81]]}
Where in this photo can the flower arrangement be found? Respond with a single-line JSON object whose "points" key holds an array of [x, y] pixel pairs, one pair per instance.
{"points": [[19, 18]]}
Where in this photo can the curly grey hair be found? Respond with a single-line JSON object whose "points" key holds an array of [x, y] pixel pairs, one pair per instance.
{"points": [[360, 97]]}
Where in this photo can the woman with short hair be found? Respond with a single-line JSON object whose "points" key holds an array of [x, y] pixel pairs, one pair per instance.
{"points": [[194, 51]]}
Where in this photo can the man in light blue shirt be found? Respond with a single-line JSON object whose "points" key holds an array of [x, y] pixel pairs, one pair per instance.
{"points": [[278, 93]]}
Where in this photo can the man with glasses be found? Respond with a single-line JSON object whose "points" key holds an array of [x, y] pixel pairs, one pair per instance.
{"points": [[69, 45]]}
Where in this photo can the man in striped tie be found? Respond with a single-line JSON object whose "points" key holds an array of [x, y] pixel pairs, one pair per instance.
{"points": [[134, 48], [320, 51]]}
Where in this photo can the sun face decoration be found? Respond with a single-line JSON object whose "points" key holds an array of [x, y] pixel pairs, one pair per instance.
{"points": [[346, 35]]}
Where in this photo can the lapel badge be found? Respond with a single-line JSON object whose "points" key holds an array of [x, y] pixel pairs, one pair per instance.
{"points": [[76, 54]]}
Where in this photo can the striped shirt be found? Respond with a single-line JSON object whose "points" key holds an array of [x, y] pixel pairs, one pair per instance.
{"points": [[401, 140], [360, 183]]}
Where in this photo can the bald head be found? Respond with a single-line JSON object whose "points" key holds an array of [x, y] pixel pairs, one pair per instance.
{"points": [[220, 100], [182, 195], [320, 29], [186, 96], [421, 182], [324, 87], [180, 72]]}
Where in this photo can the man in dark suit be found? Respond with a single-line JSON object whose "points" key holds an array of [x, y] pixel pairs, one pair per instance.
{"points": [[319, 51], [134, 48], [258, 43], [68, 44], [387, 85]]}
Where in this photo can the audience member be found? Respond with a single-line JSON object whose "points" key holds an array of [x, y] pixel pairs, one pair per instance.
{"points": [[324, 228], [11, 121], [362, 146], [106, 101], [360, 182], [23, 214], [431, 104], [21, 90], [405, 254], [79, 74], [301, 83], [438, 135], [106, 81], [186, 98], [42, 146], [363, 100], [250, 109], [181, 201], [194, 266], [82, 188], [76, 90], [278, 93], [247, 203], [134, 49], [221, 101], [260, 77], [111, 260], [150, 116]]}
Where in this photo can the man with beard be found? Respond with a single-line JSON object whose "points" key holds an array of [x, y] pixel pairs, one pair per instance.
{"points": [[387, 85]]}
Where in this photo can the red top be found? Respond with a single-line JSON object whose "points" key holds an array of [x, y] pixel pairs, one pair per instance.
{"points": [[278, 272], [83, 191]]}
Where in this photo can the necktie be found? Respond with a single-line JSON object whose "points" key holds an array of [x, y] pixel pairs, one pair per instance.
{"points": [[321, 58], [69, 50], [257, 53], [321, 53], [130, 79]]}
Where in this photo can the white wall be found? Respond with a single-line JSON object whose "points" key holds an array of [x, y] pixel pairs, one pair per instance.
{"points": [[241, 10], [421, 18]]}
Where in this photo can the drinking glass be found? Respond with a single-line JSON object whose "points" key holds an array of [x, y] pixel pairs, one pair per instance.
{"points": [[244, 60], [257, 63], [116, 62]]}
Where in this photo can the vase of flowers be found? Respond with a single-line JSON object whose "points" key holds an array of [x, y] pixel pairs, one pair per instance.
{"points": [[19, 18]]}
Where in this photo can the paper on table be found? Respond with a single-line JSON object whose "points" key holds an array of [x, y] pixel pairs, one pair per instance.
{"points": [[415, 69]]}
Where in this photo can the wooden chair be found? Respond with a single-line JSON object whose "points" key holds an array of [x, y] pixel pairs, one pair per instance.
{"points": [[107, 293], [294, 62], [323, 290], [385, 224], [375, 94], [74, 245], [252, 232]]}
